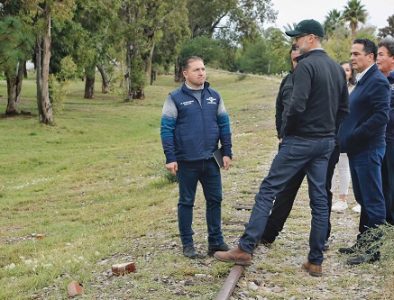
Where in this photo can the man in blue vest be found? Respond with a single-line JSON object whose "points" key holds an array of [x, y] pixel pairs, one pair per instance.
{"points": [[362, 137], [194, 120]]}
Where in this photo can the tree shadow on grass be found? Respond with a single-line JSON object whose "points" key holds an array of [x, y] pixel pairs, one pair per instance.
{"points": [[22, 115]]}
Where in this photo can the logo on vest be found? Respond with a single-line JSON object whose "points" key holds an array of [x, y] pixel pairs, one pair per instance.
{"points": [[185, 103], [211, 100]]}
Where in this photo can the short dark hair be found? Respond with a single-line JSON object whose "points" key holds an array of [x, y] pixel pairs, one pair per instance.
{"points": [[388, 43], [369, 46], [188, 60]]}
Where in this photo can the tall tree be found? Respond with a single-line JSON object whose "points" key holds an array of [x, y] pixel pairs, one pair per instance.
{"points": [[42, 12], [169, 46], [43, 56], [338, 44], [388, 30], [248, 17], [205, 16], [268, 55], [99, 22], [278, 49], [354, 13], [233, 21], [145, 24], [238, 19], [15, 48], [254, 58], [332, 21]]}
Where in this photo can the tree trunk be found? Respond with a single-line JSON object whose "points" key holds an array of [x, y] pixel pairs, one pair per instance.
{"points": [[20, 76], [89, 82], [148, 64], [105, 79], [153, 76], [128, 73], [138, 94], [24, 70], [135, 74], [11, 93], [178, 71], [14, 87], [43, 56], [89, 87], [353, 28]]}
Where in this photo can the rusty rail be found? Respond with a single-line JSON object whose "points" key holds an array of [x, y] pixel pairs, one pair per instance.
{"points": [[230, 283]]}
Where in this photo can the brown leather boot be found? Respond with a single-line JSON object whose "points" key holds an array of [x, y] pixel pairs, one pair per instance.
{"points": [[313, 270], [235, 255]]}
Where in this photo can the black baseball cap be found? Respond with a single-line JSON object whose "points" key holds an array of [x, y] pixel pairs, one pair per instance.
{"points": [[307, 27]]}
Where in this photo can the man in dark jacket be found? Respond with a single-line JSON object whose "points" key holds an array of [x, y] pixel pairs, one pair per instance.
{"points": [[193, 121], [319, 100], [362, 137], [385, 63], [284, 200]]}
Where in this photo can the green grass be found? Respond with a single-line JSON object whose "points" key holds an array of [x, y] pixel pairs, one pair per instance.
{"points": [[94, 186]]}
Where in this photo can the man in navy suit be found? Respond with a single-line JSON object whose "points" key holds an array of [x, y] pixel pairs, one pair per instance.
{"points": [[362, 137], [385, 63]]}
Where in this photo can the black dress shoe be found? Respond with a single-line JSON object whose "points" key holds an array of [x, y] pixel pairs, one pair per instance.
{"points": [[350, 250], [213, 248], [190, 252], [364, 258]]}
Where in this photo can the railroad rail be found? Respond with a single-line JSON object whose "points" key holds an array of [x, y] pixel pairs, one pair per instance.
{"points": [[230, 283]]}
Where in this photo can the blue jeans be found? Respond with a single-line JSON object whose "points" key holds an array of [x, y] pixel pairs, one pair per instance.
{"points": [[284, 201], [208, 173], [295, 154], [388, 181], [365, 169]]}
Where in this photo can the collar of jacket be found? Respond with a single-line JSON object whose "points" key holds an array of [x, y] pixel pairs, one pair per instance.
{"points": [[371, 70], [391, 77], [188, 91], [311, 52]]}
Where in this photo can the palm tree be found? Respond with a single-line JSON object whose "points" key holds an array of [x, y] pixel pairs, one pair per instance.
{"points": [[289, 27], [334, 19], [354, 13]]}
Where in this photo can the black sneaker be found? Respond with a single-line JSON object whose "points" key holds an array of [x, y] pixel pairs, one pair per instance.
{"points": [[363, 258], [213, 248], [349, 250], [190, 252]]}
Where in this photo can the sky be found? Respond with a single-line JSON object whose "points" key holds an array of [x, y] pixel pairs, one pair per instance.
{"points": [[293, 11]]}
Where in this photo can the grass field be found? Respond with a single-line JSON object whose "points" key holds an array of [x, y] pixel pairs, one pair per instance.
{"points": [[91, 191]]}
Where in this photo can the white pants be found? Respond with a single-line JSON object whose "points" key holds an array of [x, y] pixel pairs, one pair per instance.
{"points": [[341, 178]]}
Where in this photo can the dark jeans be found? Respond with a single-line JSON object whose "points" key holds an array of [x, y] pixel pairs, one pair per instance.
{"points": [[388, 181], [365, 169], [284, 201], [295, 154], [208, 173]]}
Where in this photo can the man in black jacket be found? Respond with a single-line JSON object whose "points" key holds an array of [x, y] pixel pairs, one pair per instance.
{"points": [[284, 200], [319, 101]]}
